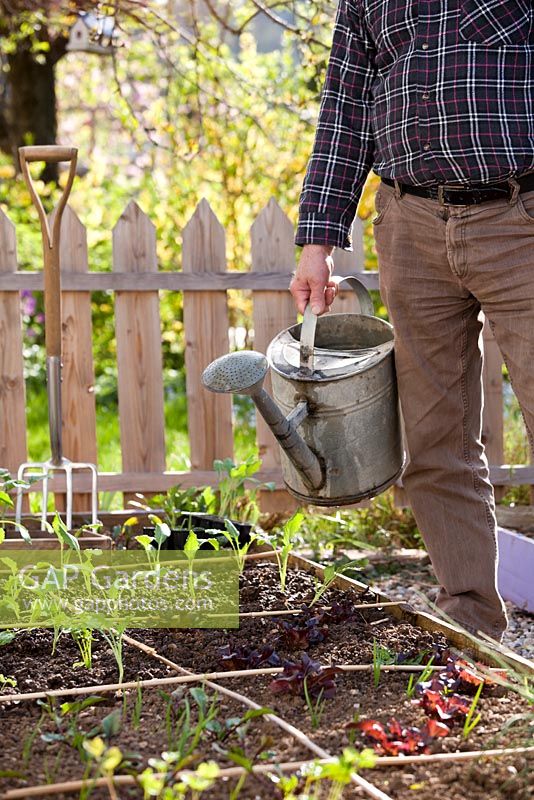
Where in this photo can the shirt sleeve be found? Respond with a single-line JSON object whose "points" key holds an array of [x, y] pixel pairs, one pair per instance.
{"points": [[343, 149]]}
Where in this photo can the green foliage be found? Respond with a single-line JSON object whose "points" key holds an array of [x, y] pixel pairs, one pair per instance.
{"points": [[425, 675], [380, 525], [284, 542], [471, 721], [231, 535], [381, 656], [7, 680], [114, 638], [8, 486], [236, 499], [84, 639], [315, 707], [330, 573]]}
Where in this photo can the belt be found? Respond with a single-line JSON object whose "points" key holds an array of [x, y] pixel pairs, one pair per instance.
{"points": [[466, 196]]}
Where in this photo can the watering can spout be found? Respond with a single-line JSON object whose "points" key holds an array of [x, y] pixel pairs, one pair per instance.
{"points": [[243, 373]]}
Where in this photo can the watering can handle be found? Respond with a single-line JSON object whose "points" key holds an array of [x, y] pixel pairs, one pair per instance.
{"points": [[309, 323]]}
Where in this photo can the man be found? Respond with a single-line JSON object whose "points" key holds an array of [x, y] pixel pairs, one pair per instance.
{"points": [[433, 95]]}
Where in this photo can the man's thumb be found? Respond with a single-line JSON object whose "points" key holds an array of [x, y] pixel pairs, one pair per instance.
{"points": [[317, 299]]}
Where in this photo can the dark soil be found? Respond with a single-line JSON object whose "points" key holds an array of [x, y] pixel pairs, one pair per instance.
{"points": [[28, 659]]}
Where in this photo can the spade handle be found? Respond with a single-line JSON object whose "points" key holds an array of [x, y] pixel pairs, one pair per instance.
{"points": [[52, 284]]}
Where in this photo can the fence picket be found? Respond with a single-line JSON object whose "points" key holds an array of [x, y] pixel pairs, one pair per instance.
{"points": [[139, 360], [272, 250], [12, 391], [78, 399], [206, 338]]}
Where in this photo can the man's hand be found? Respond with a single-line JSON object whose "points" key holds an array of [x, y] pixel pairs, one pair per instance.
{"points": [[312, 283]]}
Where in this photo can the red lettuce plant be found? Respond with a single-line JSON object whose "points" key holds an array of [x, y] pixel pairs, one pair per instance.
{"points": [[438, 704], [319, 680], [239, 657], [397, 739]]}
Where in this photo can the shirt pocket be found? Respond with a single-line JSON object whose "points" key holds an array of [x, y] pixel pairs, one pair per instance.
{"points": [[495, 22]]}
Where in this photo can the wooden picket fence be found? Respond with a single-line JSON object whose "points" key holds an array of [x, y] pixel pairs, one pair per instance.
{"points": [[204, 280]]}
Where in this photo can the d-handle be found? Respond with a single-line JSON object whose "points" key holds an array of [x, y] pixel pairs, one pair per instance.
{"points": [[309, 323], [52, 154]]}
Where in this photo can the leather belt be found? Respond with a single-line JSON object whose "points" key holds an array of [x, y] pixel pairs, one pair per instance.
{"points": [[466, 196]]}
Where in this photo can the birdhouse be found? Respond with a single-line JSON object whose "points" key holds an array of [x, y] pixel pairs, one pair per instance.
{"points": [[93, 33]]}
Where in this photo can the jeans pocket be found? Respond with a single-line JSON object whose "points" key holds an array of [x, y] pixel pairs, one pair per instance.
{"points": [[494, 22], [525, 206], [382, 202]]}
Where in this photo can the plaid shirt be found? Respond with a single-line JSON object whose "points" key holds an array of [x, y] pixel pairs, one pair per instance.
{"points": [[422, 91]]}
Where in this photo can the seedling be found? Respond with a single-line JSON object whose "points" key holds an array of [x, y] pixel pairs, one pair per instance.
{"points": [[84, 640], [341, 769], [192, 500], [284, 544], [423, 677], [470, 723], [105, 759], [231, 534], [330, 573], [182, 736], [114, 639], [152, 544], [7, 681], [136, 714], [191, 548], [397, 739], [7, 485], [242, 657], [316, 708], [381, 656]]}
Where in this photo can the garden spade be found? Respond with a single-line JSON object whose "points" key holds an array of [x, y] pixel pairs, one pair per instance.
{"points": [[52, 303]]}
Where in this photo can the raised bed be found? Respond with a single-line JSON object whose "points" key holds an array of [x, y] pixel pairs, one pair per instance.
{"points": [[516, 568], [157, 660]]}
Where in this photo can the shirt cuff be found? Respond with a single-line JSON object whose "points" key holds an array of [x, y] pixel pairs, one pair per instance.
{"points": [[319, 229]]}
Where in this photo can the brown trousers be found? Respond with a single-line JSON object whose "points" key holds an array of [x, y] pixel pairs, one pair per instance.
{"points": [[439, 267]]}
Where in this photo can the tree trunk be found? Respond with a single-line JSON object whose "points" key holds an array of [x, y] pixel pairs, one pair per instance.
{"points": [[30, 113]]}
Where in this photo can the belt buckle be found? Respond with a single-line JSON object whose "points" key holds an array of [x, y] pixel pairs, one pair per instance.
{"points": [[444, 187]]}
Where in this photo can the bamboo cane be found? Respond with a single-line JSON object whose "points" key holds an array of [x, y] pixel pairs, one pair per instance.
{"points": [[258, 769], [200, 677], [289, 611]]}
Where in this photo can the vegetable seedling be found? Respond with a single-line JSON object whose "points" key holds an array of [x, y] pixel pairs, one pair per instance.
{"points": [[471, 721]]}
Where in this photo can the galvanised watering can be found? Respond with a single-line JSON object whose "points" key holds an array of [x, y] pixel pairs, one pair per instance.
{"points": [[335, 411]]}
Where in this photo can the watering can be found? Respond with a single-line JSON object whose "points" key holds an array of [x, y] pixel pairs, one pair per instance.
{"points": [[335, 411]]}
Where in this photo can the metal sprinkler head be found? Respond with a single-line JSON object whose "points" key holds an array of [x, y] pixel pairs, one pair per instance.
{"points": [[239, 373]]}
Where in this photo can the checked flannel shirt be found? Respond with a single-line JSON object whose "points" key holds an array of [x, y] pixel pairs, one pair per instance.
{"points": [[422, 91]]}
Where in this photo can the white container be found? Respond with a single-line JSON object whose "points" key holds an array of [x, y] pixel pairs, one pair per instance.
{"points": [[515, 576]]}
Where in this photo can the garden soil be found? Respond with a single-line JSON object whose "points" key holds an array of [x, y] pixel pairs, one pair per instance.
{"points": [[33, 752]]}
